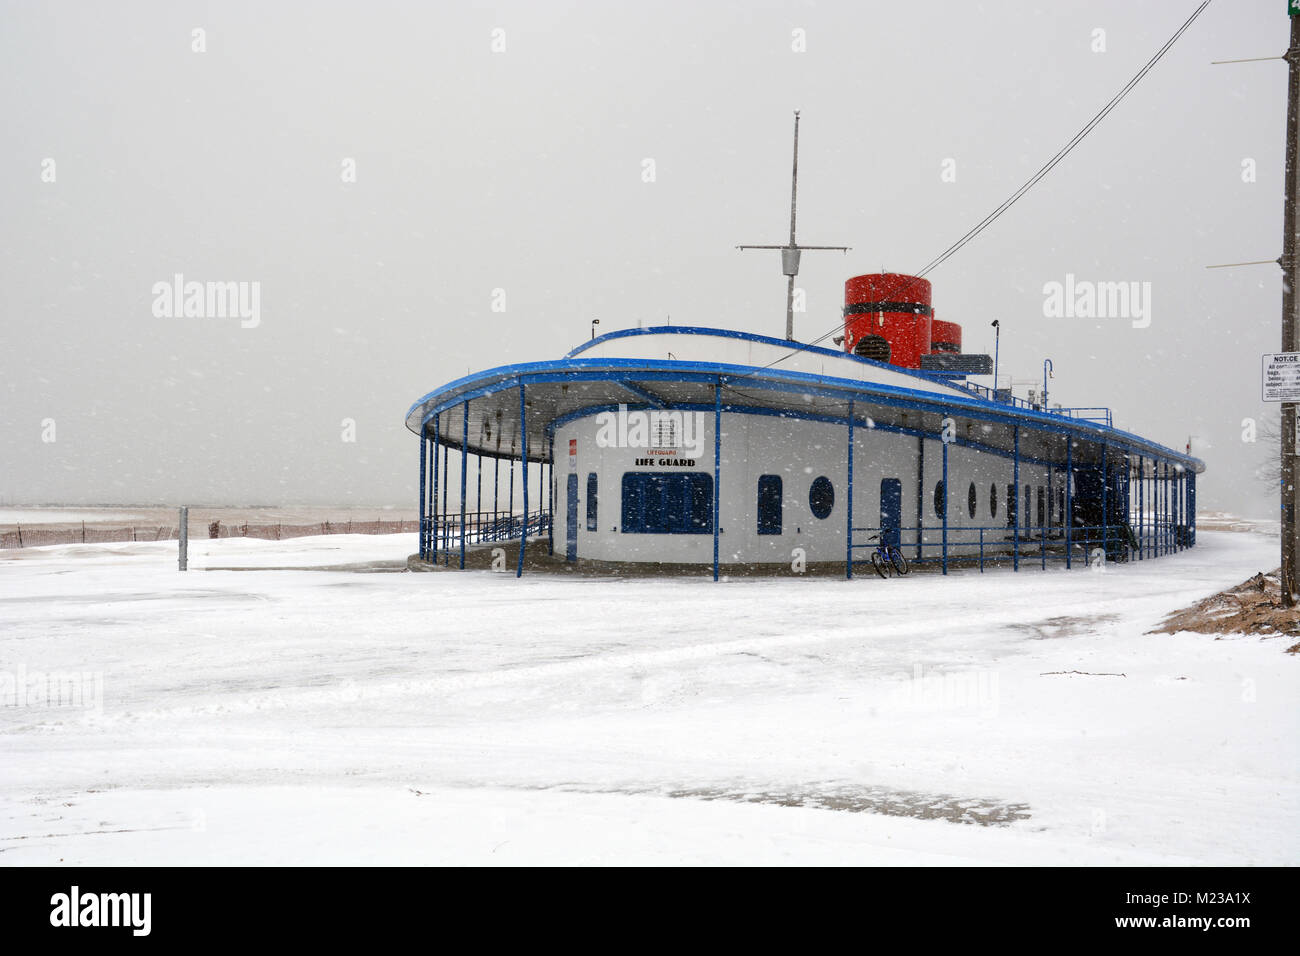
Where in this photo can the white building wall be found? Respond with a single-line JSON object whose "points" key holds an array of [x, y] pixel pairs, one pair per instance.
{"points": [[799, 452]]}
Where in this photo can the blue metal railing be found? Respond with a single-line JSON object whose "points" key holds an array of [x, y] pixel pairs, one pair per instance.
{"points": [[487, 526], [1083, 545], [1097, 414]]}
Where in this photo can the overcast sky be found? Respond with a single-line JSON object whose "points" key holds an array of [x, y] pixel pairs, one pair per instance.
{"points": [[522, 169]]}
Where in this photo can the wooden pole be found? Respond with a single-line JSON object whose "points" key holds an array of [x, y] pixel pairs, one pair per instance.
{"points": [[1289, 343]]}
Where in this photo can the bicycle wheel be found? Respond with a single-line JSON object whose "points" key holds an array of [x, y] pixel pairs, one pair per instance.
{"points": [[897, 560], [878, 563]]}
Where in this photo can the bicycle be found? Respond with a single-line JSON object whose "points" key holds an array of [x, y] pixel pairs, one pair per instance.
{"points": [[886, 555]]}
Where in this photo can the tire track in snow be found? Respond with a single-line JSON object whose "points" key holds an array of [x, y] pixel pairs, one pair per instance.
{"points": [[449, 684]]}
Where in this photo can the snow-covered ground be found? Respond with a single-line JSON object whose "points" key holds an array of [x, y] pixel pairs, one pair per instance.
{"points": [[338, 716]]}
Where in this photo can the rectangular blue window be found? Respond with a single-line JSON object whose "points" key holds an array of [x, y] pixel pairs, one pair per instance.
{"points": [[591, 501], [769, 504], [667, 502], [891, 511]]}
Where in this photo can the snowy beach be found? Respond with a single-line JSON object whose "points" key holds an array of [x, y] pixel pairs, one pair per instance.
{"points": [[336, 716]]}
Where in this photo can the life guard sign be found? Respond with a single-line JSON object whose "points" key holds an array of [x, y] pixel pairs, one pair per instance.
{"points": [[1280, 377]]}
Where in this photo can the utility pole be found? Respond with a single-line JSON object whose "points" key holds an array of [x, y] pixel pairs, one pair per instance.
{"points": [[1289, 342], [791, 251]]}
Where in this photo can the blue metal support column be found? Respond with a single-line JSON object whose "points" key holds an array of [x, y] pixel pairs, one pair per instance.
{"points": [[464, 480], [550, 502], [496, 494], [1069, 496], [1175, 504], [1105, 488], [717, 467], [1141, 508], [1164, 518], [424, 455], [510, 519], [523, 459], [1157, 526], [1182, 507], [848, 520], [1047, 516], [436, 528], [1015, 503], [1153, 510], [1191, 509], [920, 492], [1169, 511], [1173, 512], [446, 525], [1149, 507], [945, 505]]}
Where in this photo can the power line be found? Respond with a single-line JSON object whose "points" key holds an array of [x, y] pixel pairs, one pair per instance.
{"points": [[1037, 177], [1068, 147]]}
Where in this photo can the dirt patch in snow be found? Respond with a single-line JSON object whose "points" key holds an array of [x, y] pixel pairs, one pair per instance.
{"points": [[894, 803], [1252, 607], [1073, 626], [845, 799]]}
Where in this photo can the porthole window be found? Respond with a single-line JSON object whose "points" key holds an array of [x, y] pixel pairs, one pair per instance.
{"points": [[938, 499], [821, 497], [971, 501], [993, 501]]}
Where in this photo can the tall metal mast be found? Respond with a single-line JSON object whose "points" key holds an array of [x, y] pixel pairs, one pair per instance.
{"points": [[791, 251]]}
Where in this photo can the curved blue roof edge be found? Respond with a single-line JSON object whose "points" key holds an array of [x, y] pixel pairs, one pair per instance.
{"points": [[754, 337], [928, 377], [973, 403], [668, 365]]}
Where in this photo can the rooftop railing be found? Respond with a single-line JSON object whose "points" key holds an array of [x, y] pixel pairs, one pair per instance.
{"points": [[1097, 415]]}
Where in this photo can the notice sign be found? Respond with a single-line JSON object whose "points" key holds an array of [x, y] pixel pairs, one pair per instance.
{"points": [[1280, 377]]}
